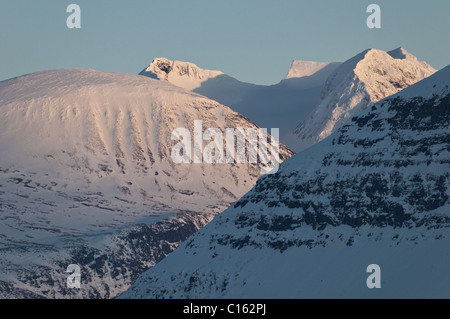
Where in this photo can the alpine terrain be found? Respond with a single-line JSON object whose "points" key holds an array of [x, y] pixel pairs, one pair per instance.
{"points": [[314, 99], [282, 105], [356, 84], [376, 191], [87, 178]]}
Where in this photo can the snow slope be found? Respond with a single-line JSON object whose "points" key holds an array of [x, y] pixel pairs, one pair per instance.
{"points": [[300, 68], [282, 105], [376, 191], [86, 157], [356, 84]]}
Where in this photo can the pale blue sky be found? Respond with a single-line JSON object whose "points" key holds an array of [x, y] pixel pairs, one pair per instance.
{"points": [[252, 40]]}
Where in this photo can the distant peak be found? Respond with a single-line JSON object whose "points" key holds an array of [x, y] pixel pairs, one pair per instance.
{"points": [[301, 68], [401, 53], [183, 74], [373, 57]]}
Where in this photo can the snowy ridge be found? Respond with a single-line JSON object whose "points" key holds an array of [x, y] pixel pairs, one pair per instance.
{"points": [[282, 105], [183, 74], [375, 191], [86, 156], [301, 68], [356, 84]]}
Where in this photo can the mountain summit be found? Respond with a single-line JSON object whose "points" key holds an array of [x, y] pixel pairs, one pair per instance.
{"points": [[313, 100], [357, 83], [183, 74], [300, 68], [281, 105]]}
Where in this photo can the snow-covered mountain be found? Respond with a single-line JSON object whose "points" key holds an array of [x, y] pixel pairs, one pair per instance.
{"points": [[87, 177], [183, 74], [282, 105], [376, 191], [301, 68], [356, 84], [314, 99]]}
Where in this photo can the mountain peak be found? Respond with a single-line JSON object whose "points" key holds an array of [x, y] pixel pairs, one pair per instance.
{"points": [[161, 64], [401, 53], [385, 73], [183, 74], [360, 81]]}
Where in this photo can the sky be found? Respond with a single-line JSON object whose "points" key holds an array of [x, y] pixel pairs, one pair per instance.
{"points": [[252, 40]]}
